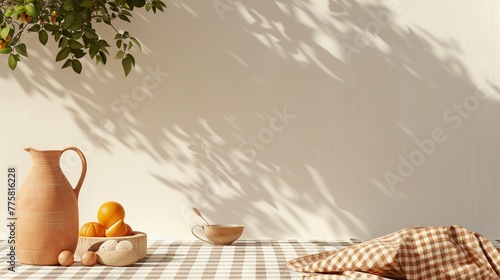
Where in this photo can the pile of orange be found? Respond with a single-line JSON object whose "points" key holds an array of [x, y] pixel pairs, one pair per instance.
{"points": [[111, 223]]}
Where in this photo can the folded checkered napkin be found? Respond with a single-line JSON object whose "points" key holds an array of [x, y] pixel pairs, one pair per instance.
{"points": [[412, 253]]}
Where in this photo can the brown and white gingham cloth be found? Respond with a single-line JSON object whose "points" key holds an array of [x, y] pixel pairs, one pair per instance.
{"points": [[431, 253], [188, 259]]}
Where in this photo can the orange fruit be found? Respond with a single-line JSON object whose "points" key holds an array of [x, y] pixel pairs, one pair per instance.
{"points": [[109, 213], [25, 18], [117, 229], [53, 16], [129, 230], [92, 229]]}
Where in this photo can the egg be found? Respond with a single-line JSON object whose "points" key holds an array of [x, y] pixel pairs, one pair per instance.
{"points": [[88, 258], [109, 245], [66, 258], [124, 245]]}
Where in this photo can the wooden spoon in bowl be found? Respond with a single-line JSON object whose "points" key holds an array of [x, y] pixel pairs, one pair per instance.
{"points": [[199, 214]]}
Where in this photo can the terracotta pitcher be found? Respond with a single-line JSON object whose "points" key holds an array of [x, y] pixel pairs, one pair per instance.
{"points": [[47, 209]]}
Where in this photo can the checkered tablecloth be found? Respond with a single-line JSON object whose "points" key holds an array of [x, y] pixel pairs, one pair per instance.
{"points": [[187, 259], [415, 253]]}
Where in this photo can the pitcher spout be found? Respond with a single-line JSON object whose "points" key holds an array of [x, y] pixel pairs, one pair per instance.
{"points": [[30, 149]]}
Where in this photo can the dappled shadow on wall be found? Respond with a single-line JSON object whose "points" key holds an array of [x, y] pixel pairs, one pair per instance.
{"points": [[339, 126], [273, 114]]}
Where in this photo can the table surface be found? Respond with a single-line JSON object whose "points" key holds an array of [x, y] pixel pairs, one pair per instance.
{"points": [[188, 259]]}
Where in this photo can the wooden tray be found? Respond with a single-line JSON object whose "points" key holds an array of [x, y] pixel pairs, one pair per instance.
{"points": [[138, 239]]}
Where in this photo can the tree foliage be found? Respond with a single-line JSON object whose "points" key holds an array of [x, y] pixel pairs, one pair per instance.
{"points": [[72, 25]]}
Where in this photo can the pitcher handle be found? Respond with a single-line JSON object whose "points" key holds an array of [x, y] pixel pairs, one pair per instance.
{"points": [[84, 168], [204, 240]]}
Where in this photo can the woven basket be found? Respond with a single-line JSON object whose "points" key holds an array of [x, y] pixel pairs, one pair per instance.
{"points": [[138, 239]]}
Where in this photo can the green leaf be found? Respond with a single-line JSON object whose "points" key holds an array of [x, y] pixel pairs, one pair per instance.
{"points": [[106, 20], [12, 62], [77, 66], [21, 49], [43, 37], [30, 9], [86, 14], [87, 3], [124, 18], [19, 9], [104, 50], [160, 3], [69, 19], [56, 35], [78, 34], [78, 53], [34, 28], [67, 63], [103, 44], [87, 42], [118, 43], [104, 57], [119, 54], [149, 5], [5, 32], [62, 54], [131, 57], [75, 44], [127, 65], [125, 12], [98, 59], [136, 42], [50, 27], [93, 50], [66, 33], [9, 12], [157, 4], [139, 3], [68, 5], [63, 43], [130, 3], [6, 50], [90, 33]]}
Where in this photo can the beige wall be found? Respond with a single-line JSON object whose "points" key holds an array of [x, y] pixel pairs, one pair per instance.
{"points": [[327, 119]]}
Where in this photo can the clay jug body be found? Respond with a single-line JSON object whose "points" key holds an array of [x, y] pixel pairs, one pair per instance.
{"points": [[47, 209]]}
